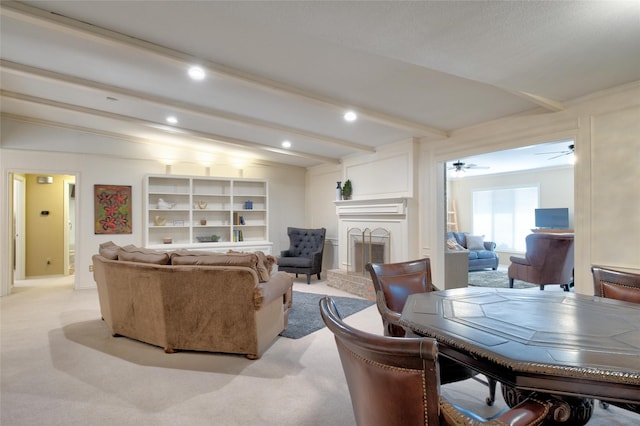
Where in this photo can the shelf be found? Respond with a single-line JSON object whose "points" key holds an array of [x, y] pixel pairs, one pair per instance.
{"points": [[217, 200]]}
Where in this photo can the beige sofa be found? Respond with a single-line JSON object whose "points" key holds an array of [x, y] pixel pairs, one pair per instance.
{"points": [[192, 300]]}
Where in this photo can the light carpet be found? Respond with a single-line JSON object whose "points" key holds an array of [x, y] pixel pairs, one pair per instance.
{"points": [[60, 366], [304, 315], [497, 279]]}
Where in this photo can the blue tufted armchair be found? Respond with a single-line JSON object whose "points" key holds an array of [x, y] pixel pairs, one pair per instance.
{"points": [[304, 255]]}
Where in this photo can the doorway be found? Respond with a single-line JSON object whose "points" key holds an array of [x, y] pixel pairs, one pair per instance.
{"points": [[43, 225], [545, 169]]}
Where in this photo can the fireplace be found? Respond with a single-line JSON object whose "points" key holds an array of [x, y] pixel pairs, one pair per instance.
{"points": [[365, 231], [367, 246]]}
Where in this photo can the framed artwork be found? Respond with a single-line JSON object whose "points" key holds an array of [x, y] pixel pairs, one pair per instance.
{"points": [[112, 205]]}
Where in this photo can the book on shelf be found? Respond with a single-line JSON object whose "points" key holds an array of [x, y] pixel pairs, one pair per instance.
{"points": [[236, 218], [237, 235]]}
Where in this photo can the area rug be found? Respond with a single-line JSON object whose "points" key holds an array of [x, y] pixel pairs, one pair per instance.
{"points": [[304, 315], [497, 279]]}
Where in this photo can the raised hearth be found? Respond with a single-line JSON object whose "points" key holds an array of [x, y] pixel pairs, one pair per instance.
{"points": [[354, 283]]}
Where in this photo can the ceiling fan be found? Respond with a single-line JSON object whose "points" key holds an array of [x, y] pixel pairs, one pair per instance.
{"points": [[570, 149], [459, 167]]}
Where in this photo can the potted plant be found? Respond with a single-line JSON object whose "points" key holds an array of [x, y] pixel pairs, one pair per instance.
{"points": [[347, 190]]}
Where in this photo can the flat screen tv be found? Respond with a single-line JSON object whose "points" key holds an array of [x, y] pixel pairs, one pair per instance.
{"points": [[552, 218]]}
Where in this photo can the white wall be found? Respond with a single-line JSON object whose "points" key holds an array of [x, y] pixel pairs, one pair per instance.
{"points": [[605, 127], [31, 148], [321, 185]]}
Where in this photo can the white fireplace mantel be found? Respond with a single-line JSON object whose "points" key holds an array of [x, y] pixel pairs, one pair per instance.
{"points": [[386, 207], [392, 214]]}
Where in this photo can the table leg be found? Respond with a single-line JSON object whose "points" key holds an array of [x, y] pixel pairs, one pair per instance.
{"points": [[572, 411]]}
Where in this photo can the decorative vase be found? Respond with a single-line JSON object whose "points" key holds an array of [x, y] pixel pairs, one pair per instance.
{"points": [[159, 220], [203, 221], [339, 191], [164, 205], [202, 204]]}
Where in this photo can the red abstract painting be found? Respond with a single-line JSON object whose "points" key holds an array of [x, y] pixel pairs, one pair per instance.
{"points": [[112, 205]]}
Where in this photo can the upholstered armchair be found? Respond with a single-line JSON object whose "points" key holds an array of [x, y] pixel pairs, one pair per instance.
{"points": [[393, 283], [304, 255], [394, 381], [548, 260]]}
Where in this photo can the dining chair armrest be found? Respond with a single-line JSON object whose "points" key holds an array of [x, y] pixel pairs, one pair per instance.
{"points": [[386, 313], [530, 412]]}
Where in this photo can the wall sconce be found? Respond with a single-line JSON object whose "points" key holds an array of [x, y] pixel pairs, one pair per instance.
{"points": [[45, 179]]}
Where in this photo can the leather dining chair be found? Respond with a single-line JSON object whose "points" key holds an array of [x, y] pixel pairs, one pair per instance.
{"points": [[619, 285], [394, 381], [548, 260], [614, 284], [393, 283]]}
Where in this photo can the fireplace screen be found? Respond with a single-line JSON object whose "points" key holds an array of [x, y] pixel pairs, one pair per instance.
{"points": [[367, 246]]}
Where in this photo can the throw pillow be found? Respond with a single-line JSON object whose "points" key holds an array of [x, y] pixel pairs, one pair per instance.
{"points": [[475, 242], [452, 244], [109, 250], [263, 271], [265, 264], [132, 253]]}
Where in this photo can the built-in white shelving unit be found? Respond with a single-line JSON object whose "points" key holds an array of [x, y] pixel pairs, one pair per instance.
{"points": [[189, 211]]}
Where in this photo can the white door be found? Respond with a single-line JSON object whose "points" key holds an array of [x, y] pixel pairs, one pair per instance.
{"points": [[19, 187], [70, 225]]}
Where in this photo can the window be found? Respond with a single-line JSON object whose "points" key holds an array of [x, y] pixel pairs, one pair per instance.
{"points": [[505, 215]]}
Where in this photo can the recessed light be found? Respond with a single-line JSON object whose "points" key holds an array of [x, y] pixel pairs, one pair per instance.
{"points": [[350, 116], [286, 144], [172, 120], [196, 73]]}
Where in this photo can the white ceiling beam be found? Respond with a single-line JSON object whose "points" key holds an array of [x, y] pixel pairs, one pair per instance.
{"points": [[176, 105], [105, 36], [546, 103], [157, 126]]}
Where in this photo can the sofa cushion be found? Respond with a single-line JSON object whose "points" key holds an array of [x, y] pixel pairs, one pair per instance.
{"points": [[265, 264], [459, 237], [475, 242], [192, 257], [109, 250], [486, 254], [295, 262], [132, 253]]}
